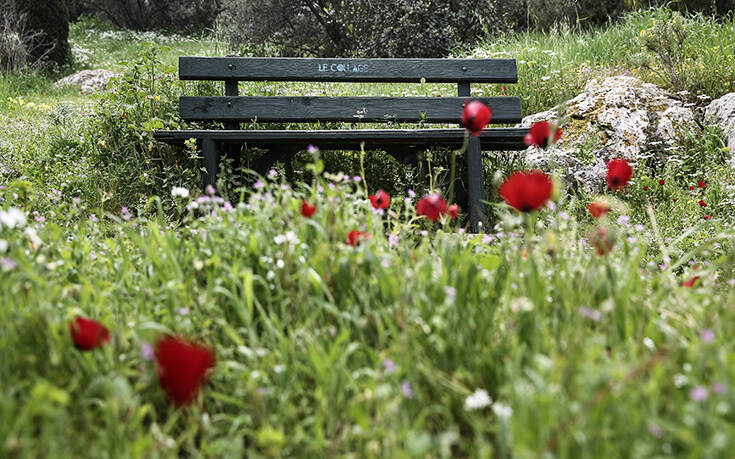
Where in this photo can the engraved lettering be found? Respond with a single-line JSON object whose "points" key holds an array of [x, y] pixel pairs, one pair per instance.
{"points": [[345, 67]]}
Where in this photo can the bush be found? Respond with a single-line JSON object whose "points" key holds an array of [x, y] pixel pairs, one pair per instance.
{"points": [[16, 42], [50, 20], [130, 165], [170, 15], [423, 28]]}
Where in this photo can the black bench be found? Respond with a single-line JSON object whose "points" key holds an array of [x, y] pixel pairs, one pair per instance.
{"points": [[233, 109]]}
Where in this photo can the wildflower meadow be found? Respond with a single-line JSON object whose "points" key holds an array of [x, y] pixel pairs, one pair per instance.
{"points": [[338, 306]]}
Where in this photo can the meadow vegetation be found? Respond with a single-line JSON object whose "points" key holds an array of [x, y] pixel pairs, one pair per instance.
{"points": [[417, 340]]}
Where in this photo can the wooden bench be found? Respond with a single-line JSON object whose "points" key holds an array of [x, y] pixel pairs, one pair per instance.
{"points": [[232, 109]]}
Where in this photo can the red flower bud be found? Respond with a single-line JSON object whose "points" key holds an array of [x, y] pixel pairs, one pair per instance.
{"points": [[598, 209], [307, 210], [88, 334], [453, 211], [431, 207], [381, 200], [526, 191], [540, 133], [475, 116], [182, 367], [619, 173]]}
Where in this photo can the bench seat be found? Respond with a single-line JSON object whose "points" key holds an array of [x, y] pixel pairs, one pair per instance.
{"points": [[491, 139]]}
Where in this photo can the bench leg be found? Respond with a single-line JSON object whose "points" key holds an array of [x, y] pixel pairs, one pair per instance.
{"points": [[476, 186], [211, 161]]}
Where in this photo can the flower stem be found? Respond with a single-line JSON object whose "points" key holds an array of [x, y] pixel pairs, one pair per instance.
{"points": [[453, 166]]}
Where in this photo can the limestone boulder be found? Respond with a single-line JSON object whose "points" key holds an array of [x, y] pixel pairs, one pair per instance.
{"points": [[88, 81], [618, 117], [722, 112]]}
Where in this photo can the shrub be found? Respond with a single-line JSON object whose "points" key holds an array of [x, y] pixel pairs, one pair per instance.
{"points": [[16, 41], [375, 28], [583, 13], [171, 15], [130, 164], [50, 18]]}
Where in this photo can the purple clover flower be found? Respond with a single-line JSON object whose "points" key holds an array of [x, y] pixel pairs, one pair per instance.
{"points": [[406, 389], [699, 394], [707, 335], [7, 264], [146, 351]]}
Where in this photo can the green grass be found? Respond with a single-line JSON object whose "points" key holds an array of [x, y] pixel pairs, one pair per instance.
{"points": [[589, 352], [583, 355], [554, 67]]}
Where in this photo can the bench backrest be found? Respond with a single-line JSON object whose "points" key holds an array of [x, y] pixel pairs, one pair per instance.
{"points": [[233, 108]]}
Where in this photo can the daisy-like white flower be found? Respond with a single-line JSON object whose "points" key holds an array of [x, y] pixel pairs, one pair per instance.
{"points": [[13, 217], [502, 410], [477, 400], [180, 191]]}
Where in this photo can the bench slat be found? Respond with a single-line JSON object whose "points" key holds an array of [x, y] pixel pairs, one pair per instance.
{"points": [[353, 70], [506, 110], [497, 138]]}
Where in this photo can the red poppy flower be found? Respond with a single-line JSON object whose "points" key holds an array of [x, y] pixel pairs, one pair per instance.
{"points": [[701, 184], [645, 188], [707, 217], [354, 237], [702, 203], [690, 282], [431, 207], [661, 182], [182, 367], [691, 187], [381, 200], [88, 334], [540, 132], [307, 210], [602, 240], [598, 209], [619, 173], [475, 116], [505, 88], [526, 191], [453, 211]]}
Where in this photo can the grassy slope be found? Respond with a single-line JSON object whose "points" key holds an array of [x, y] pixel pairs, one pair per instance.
{"points": [[596, 356]]}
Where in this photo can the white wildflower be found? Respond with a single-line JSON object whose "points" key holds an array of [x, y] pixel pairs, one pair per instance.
{"points": [[502, 410], [180, 192], [13, 217], [33, 236], [477, 400], [291, 237]]}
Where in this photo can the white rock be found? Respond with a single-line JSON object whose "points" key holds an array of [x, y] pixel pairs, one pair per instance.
{"points": [[722, 112], [88, 81], [618, 117]]}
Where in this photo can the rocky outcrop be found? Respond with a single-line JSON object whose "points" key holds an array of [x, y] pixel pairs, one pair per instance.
{"points": [[618, 117], [88, 81], [722, 112]]}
